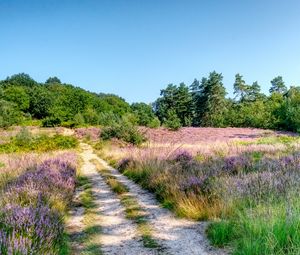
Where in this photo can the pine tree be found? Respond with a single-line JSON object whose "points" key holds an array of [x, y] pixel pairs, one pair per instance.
{"points": [[278, 85], [213, 100], [240, 88]]}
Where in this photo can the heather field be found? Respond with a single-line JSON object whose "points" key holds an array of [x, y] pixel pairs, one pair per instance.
{"points": [[37, 183], [233, 190], [244, 181]]}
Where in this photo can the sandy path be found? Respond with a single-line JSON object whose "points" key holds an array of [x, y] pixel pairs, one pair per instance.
{"points": [[119, 235], [177, 236]]}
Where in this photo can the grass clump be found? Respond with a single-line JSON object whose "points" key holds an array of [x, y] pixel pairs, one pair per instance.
{"points": [[116, 186], [261, 230]]}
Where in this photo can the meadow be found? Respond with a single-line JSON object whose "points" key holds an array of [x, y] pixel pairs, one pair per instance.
{"points": [[245, 182], [37, 182]]}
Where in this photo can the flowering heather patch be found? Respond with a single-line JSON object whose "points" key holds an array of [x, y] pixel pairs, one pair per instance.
{"points": [[183, 156], [91, 133], [196, 185], [30, 230], [190, 135], [31, 218], [238, 164]]}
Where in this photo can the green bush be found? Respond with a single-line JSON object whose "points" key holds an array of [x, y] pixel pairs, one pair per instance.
{"points": [[123, 131], [68, 124], [23, 138], [51, 122], [154, 123]]}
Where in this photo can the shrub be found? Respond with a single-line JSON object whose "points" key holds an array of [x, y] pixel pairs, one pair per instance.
{"points": [[19, 228], [183, 156], [51, 122], [154, 123], [123, 131], [9, 114], [23, 138], [68, 124]]}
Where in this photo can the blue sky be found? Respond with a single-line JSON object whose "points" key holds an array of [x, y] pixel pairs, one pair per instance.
{"points": [[135, 48]]}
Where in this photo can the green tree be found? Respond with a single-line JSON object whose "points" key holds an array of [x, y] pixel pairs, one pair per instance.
{"points": [[91, 116], [177, 99], [254, 92], [166, 102], [20, 79], [214, 101], [144, 113], [183, 107], [52, 80], [172, 121], [17, 95], [290, 110], [278, 85], [41, 101], [240, 87]]}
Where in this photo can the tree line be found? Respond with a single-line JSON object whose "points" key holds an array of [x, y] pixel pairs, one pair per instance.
{"points": [[55, 103], [203, 103]]}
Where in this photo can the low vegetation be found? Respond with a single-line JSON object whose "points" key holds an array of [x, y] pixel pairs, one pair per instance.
{"points": [[24, 141], [33, 206], [247, 188]]}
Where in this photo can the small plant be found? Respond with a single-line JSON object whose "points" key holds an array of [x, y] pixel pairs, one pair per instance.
{"points": [[23, 138]]}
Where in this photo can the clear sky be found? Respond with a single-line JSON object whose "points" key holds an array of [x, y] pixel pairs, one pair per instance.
{"points": [[135, 48]]}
